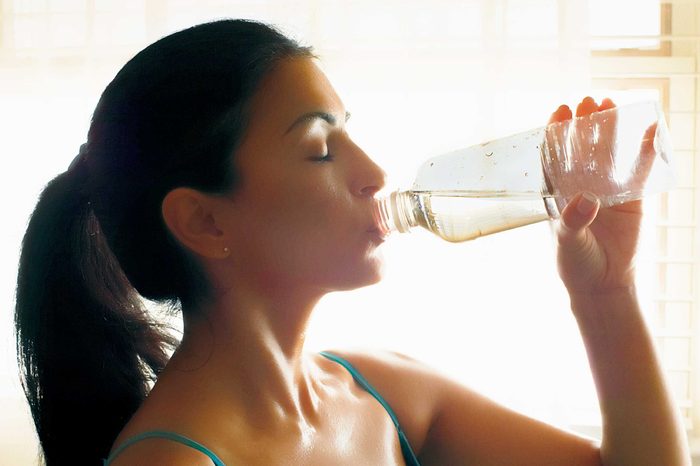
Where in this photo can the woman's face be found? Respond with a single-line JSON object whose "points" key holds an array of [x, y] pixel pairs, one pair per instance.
{"points": [[302, 213]]}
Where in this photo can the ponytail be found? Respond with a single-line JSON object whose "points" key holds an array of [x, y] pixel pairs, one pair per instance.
{"points": [[86, 346]]}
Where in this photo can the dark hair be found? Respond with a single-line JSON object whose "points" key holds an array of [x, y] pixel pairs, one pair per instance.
{"points": [[96, 242]]}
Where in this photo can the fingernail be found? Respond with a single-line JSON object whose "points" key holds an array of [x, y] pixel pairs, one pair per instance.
{"points": [[586, 203]]}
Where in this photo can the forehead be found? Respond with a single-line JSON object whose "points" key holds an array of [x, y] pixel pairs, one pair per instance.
{"points": [[294, 86]]}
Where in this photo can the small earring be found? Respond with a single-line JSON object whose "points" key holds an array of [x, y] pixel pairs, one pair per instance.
{"points": [[226, 249]]}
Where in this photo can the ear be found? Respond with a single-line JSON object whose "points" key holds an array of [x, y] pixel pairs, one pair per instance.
{"points": [[189, 215]]}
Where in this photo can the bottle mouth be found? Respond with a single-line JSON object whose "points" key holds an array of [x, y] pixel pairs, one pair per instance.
{"points": [[394, 213], [382, 216]]}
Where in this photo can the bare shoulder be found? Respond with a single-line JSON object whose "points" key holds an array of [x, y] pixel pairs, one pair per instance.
{"points": [[152, 451], [412, 388], [450, 423], [388, 367]]}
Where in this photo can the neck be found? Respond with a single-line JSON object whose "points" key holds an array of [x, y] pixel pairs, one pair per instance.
{"points": [[239, 341]]}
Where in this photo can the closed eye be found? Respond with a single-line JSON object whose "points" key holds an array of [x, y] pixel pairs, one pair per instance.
{"points": [[323, 158]]}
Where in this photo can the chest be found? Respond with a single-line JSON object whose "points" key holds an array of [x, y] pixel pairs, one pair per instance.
{"points": [[345, 437]]}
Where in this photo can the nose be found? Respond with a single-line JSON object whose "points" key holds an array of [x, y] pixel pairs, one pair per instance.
{"points": [[369, 178]]}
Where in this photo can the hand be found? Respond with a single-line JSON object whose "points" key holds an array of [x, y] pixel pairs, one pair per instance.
{"points": [[596, 247], [588, 154], [577, 151]]}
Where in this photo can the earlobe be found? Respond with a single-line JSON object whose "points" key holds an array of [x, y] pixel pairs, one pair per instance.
{"points": [[189, 216]]}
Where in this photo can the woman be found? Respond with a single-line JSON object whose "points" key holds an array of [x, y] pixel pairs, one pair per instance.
{"points": [[218, 177]]}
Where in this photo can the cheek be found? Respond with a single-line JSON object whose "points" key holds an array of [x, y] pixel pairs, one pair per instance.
{"points": [[303, 220], [295, 201], [317, 216]]}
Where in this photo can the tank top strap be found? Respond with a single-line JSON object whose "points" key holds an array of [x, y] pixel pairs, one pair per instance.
{"points": [[166, 435], [408, 454]]}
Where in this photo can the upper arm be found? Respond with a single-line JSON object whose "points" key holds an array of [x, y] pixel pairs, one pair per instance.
{"points": [[468, 426], [448, 423], [152, 451]]}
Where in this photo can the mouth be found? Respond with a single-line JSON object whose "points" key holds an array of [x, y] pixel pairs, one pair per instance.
{"points": [[376, 233]]}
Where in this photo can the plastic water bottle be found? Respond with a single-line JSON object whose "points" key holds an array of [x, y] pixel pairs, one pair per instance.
{"points": [[620, 154]]}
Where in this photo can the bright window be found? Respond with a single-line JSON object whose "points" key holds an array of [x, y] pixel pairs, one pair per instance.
{"points": [[639, 30]]}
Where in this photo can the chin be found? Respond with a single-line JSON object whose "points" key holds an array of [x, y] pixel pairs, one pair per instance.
{"points": [[365, 276]]}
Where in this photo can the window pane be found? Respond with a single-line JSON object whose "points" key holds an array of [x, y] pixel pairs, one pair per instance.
{"points": [[606, 19], [679, 385], [68, 30], [65, 6], [532, 24], [677, 316], [120, 5], [120, 29], [30, 31], [681, 206], [28, 6]]}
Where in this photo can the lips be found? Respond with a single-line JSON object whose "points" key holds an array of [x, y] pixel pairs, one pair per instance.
{"points": [[376, 233], [374, 227]]}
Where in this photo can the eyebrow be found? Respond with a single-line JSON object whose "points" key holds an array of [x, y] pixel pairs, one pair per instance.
{"points": [[318, 115]]}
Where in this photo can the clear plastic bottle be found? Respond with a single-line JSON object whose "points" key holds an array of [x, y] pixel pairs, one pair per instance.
{"points": [[619, 154]]}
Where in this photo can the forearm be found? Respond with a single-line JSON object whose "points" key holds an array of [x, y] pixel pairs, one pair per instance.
{"points": [[641, 424]]}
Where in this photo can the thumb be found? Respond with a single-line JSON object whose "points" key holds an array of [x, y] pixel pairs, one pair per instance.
{"points": [[576, 216]]}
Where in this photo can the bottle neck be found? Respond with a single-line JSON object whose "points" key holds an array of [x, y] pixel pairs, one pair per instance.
{"points": [[396, 212]]}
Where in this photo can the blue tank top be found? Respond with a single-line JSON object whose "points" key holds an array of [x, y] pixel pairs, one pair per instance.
{"points": [[408, 455]]}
